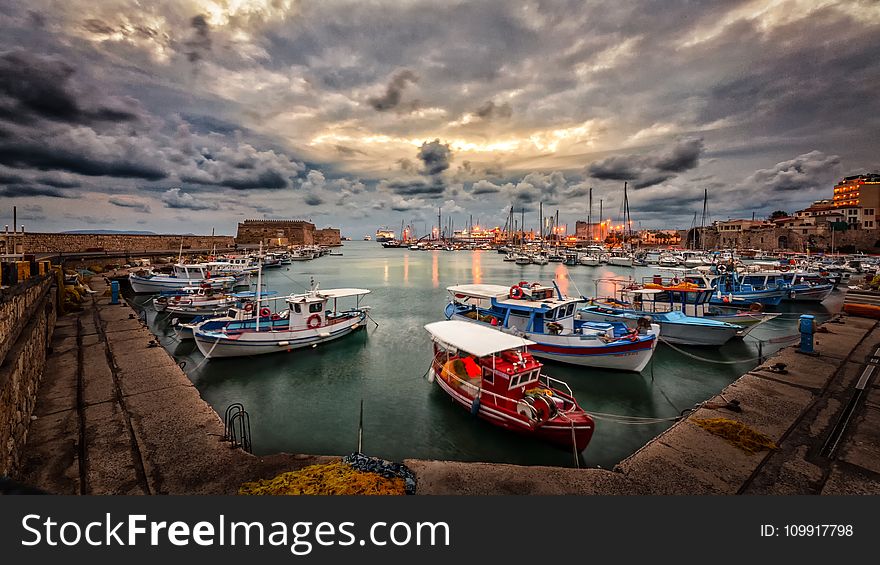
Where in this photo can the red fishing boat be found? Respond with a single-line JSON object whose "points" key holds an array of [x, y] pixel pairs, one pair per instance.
{"points": [[496, 378]]}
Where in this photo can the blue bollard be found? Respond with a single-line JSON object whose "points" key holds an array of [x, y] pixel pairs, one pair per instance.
{"points": [[807, 330], [114, 292]]}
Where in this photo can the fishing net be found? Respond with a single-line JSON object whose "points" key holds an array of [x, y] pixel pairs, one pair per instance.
{"points": [[736, 433], [356, 474]]}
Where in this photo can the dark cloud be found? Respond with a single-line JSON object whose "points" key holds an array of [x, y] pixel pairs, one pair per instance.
{"points": [[416, 187], [489, 110], [23, 190], [130, 202], [393, 92], [200, 42], [805, 172], [682, 157], [484, 187], [39, 86], [36, 19], [313, 200], [59, 181], [98, 26], [58, 157], [616, 168], [176, 198], [652, 168], [435, 157]]}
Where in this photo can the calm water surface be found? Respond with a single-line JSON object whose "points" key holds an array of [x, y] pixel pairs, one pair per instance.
{"points": [[307, 401]]}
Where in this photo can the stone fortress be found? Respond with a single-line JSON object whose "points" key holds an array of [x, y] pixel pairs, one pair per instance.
{"points": [[276, 233]]}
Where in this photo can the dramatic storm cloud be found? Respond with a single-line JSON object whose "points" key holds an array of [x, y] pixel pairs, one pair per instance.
{"points": [[361, 114]]}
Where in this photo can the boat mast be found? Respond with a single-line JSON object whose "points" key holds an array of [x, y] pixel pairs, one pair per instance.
{"points": [[590, 217], [703, 219], [541, 222], [439, 225], [522, 226], [259, 284]]}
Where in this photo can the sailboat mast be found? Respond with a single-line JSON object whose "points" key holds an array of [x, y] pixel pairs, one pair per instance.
{"points": [[522, 225], [590, 216], [439, 225], [703, 219], [259, 285]]}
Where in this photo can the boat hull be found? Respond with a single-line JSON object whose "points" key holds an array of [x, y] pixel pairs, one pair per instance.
{"points": [[153, 285], [814, 294], [673, 332], [217, 344], [557, 433], [621, 355]]}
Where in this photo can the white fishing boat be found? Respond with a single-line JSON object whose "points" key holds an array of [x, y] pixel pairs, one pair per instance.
{"points": [[620, 259], [539, 259], [590, 260], [183, 275], [309, 320], [523, 259], [194, 301]]}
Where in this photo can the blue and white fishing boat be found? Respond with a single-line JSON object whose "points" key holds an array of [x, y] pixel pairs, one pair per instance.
{"points": [[183, 275], [731, 290], [799, 286], [308, 320], [547, 317], [676, 307]]}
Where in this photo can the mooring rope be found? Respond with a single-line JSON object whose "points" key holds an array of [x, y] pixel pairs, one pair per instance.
{"points": [[716, 361]]}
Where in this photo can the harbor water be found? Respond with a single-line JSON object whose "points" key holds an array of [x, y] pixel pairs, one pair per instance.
{"points": [[308, 400]]}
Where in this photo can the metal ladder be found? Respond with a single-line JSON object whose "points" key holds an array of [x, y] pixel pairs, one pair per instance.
{"points": [[237, 427]]}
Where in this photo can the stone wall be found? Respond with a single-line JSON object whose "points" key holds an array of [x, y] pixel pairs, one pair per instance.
{"points": [[27, 320], [775, 238], [80, 243], [328, 236]]}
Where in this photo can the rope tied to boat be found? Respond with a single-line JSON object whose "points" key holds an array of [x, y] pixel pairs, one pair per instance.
{"points": [[725, 362]]}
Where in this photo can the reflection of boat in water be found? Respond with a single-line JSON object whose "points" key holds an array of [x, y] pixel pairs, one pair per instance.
{"points": [[543, 315], [495, 376]]}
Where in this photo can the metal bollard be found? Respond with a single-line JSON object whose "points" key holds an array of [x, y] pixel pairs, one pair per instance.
{"points": [[807, 330], [114, 292]]}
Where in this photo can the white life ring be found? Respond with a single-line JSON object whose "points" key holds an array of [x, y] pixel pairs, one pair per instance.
{"points": [[314, 318]]}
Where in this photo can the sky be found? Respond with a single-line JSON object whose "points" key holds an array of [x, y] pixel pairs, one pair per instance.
{"points": [[188, 116]]}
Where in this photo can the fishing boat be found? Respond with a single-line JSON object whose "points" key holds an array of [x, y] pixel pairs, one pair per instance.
{"points": [[589, 260], [543, 314], [194, 301], [185, 331], [522, 259], [730, 290], [620, 259], [539, 259], [496, 377], [571, 259], [271, 261], [309, 321], [183, 275], [798, 286], [674, 306]]}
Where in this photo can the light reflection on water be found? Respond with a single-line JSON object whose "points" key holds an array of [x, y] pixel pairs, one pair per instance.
{"points": [[307, 401]]}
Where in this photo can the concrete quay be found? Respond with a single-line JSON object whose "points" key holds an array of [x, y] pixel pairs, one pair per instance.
{"points": [[117, 416], [798, 410]]}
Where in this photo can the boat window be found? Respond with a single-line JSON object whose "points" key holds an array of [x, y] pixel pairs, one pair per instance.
{"points": [[297, 308], [570, 310], [550, 314], [488, 375], [315, 307]]}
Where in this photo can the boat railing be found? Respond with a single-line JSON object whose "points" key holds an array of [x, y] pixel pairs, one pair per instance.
{"points": [[561, 385]]}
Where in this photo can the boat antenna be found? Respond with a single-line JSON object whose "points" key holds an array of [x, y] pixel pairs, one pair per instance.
{"points": [[361, 429]]}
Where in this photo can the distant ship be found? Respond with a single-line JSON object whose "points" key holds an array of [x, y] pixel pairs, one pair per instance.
{"points": [[368, 238], [384, 234]]}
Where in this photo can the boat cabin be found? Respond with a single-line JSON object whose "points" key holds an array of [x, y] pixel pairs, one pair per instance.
{"points": [[525, 307]]}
